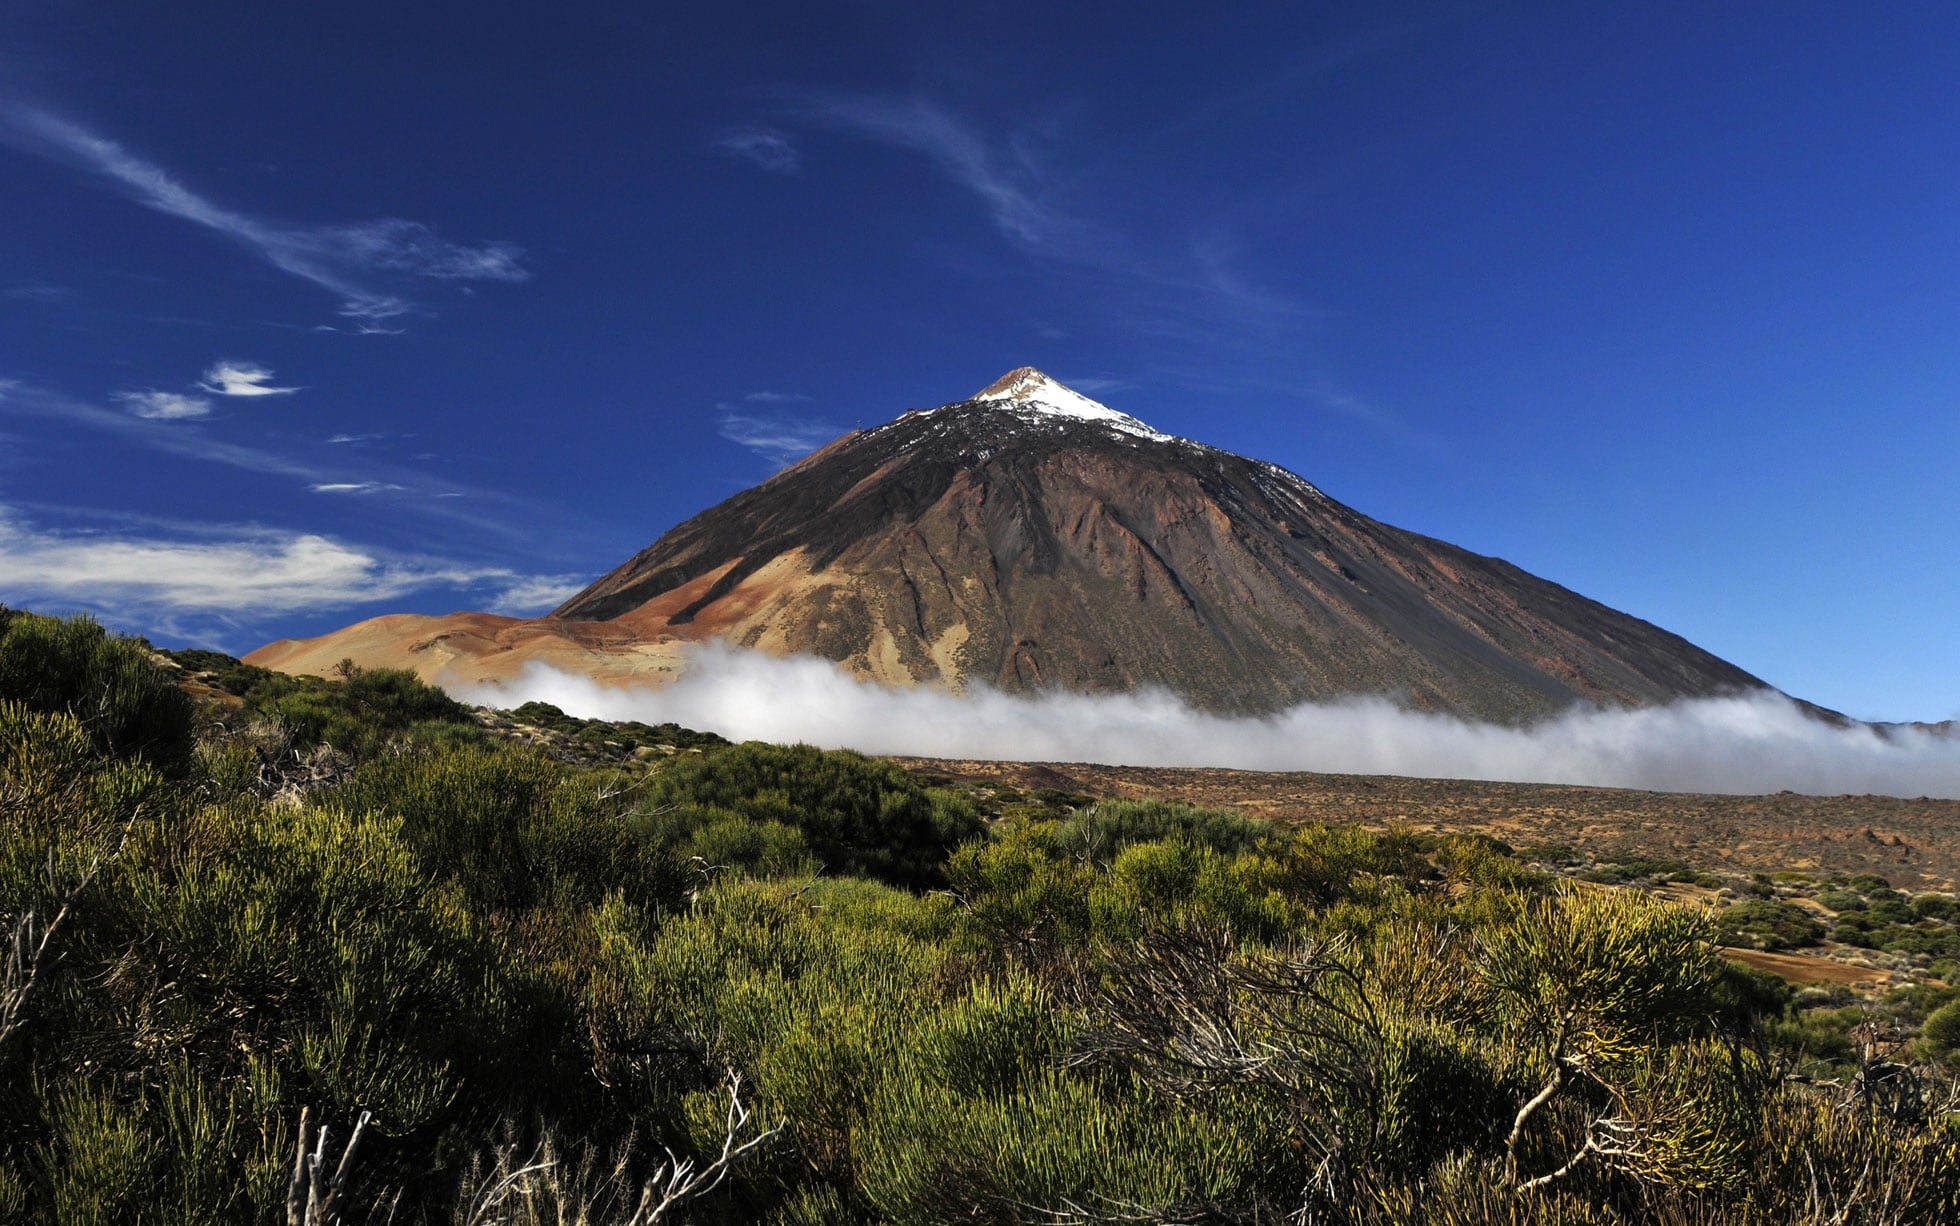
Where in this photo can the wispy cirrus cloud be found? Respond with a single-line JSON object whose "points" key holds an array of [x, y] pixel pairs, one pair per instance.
{"points": [[163, 406], [777, 437], [1009, 182], [42, 292], [495, 512], [537, 594], [765, 147], [354, 260], [188, 440], [149, 430], [1095, 385], [354, 487], [1191, 288], [224, 378], [229, 378]]}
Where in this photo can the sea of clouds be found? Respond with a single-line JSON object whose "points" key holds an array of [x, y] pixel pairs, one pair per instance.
{"points": [[1754, 743]]}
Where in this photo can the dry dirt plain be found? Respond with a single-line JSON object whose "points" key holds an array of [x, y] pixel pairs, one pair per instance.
{"points": [[1913, 843]]}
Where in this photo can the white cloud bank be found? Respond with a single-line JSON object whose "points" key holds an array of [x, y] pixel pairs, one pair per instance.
{"points": [[263, 572], [1750, 744]]}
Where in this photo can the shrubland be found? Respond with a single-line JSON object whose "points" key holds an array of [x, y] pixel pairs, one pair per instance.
{"points": [[773, 984]]}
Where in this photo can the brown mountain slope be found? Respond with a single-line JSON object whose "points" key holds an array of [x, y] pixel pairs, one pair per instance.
{"points": [[1030, 538]]}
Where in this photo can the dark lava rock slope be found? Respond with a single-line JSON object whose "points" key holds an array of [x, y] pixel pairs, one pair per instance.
{"points": [[1032, 539]]}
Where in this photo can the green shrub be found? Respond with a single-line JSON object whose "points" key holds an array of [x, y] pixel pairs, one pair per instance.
{"points": [[1102, 830], [628, 734], [1018, 896], [1747, 997], [1639, 869], [1761, 923], [1057, 1141], [1480, 860], [1942, 1028], [1558, 854], [358, 714], [513, 829], [129, 704], [228, 673], [857, 816], [1936, 907]]}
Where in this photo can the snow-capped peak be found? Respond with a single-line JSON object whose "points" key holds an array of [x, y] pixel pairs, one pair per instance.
{"points": [[1027, 389]]}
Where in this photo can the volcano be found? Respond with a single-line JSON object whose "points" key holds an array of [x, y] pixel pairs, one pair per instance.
{"points": [[1029, 538]]}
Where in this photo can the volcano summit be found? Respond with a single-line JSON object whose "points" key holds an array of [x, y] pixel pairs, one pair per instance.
{"points": [[1027, 538]]}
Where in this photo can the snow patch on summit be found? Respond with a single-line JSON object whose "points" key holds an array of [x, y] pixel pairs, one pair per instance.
{"points": [[1035, 396]]}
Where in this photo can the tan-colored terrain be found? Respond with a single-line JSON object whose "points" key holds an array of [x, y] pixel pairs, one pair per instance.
{"points": [[463, 648]]}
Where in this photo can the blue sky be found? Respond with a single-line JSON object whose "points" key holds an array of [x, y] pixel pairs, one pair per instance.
{"points": [[308, 314]]}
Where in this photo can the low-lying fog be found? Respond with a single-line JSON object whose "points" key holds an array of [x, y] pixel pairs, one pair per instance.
{"points": [[1760, 743]]}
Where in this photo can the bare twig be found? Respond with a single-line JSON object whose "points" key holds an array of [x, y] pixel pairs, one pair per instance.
{"points": [[1187, 1015], [313, 1196], [678, 1179], [548, 1188], [1553, 1084], [30, 951]]}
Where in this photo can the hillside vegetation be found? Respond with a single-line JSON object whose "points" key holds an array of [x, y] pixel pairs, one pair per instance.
{"points": [[438, 977]]}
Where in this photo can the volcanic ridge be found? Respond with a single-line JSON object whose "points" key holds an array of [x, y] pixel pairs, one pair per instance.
{"points": [[1030, 538]]}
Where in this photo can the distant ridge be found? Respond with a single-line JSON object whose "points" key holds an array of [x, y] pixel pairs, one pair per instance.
{"points": [[1029, 537]]}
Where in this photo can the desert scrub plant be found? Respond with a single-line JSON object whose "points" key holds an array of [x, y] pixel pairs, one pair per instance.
{"points": [[1102, 830], [514, 830], [761, 977], [508, 1185], [1769, 924], [1171, 880], [1352, 1063], [857, 816], [313, 936], [1017, 1137], [1479, 861], [628, 734], [128, 704], [228, 673], [1059, 1148], [185, 1146], [1019, 899], [1588, 986], [357, 714], [66, 814]]}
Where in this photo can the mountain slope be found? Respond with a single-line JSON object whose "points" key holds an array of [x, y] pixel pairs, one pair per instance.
{"points": [[1030, 538]]}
